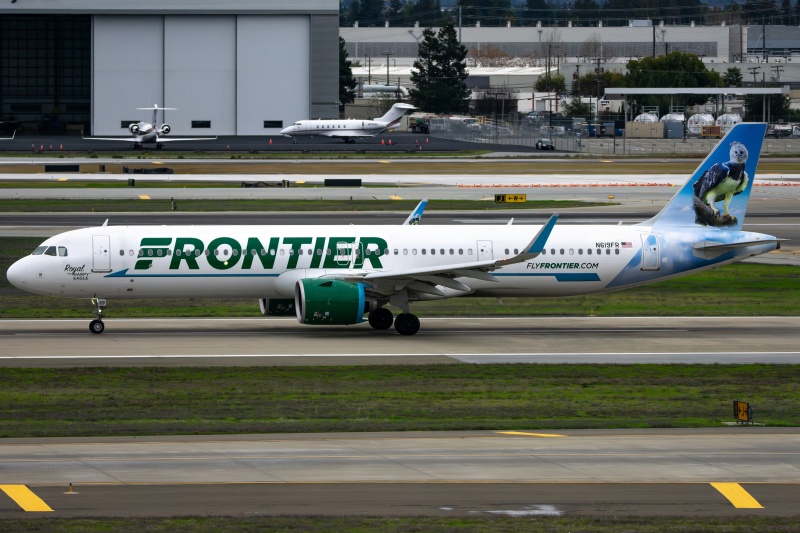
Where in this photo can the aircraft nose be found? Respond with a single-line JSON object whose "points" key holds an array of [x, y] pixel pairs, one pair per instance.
{"points": [[17, 274]]}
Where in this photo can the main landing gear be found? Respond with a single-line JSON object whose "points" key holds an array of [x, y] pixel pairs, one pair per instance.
{"points": [[404, 324], [96, 326]]}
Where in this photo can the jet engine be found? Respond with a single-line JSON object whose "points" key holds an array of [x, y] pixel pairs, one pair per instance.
{"points": [[331, 302], [134, 128], [165, 129]]}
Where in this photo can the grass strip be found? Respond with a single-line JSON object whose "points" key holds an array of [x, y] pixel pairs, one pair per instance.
{"points": [[743, 289], [135, 205], [102, 401], [461, 524]]}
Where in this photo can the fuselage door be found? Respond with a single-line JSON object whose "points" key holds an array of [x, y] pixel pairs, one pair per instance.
{"points": [[484, 250], [651, 259], [101, 256]]}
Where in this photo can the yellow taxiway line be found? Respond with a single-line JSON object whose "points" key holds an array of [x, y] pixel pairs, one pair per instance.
{"points": [[25, 498], [527, 434], [739, 497]]}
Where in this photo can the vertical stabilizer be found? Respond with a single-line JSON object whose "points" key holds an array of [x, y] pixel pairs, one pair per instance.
{"points": [[394, 114], [717, 193]]}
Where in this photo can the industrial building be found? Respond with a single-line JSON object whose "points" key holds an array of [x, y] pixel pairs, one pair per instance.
{"points": [[239, 67]]}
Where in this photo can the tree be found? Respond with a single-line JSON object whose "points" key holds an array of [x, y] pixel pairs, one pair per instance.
{"points": [[675, 69], [394, 12], [347, 83], [440, 71], [586, 11], [594, 84], [778, 106], [371, 13], [551, 83], [491, 12], [539, 10], [732, 77], [576, 108], [490, 56]]}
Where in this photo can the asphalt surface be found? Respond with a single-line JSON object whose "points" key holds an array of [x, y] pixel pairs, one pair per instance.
{"points": [[517, 473], [478, 340], [400, 143]]}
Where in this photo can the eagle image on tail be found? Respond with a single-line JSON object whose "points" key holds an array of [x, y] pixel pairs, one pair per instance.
{"points": [[722, 181]]}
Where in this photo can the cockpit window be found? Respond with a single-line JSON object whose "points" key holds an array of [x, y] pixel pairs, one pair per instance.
{"points": [[39, 250], [51, 250], [62, 251]]}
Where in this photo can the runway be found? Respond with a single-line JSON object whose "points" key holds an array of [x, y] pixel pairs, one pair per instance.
{"points": [[725, 471], [480, 340]]}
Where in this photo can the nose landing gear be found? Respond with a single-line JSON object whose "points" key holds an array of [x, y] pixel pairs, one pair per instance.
{"points": [[96, 326]]}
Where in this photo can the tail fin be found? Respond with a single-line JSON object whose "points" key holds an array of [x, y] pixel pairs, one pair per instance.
{"points": [[717, 193], [394, 114]]}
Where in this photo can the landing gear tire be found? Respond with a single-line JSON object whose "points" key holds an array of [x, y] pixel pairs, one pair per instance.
{"points": [[97, 327], [381, 318], [406, 324]]}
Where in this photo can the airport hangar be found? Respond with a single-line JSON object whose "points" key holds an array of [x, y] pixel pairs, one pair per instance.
{"points": [[239, 67]]}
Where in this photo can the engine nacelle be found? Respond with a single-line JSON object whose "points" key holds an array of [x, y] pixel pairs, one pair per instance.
{"points": [[331, 302], [134, 128], [165, 129]]}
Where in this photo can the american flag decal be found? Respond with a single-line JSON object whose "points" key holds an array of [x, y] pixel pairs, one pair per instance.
{"points": [[626, 244]]}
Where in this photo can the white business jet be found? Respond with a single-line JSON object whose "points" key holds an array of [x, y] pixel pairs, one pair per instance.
{"points": [[150, 132], [347, 129], [335, 275]]}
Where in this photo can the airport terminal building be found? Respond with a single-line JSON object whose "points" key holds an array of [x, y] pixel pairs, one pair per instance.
{"points": [[238, 67]]}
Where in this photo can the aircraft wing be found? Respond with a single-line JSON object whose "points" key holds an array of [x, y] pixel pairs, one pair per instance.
{"points": [[424, 280], [126, 139], [173, 139]]}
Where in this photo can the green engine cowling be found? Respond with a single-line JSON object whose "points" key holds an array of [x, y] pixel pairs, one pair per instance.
{"points": [[330, 302]]}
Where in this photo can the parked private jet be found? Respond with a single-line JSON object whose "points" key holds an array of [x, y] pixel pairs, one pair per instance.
{"points": [[150, 132], [348, 129], [335, 275]]}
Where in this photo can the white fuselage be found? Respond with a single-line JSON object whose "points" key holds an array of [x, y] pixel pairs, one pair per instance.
{"points": [[266, 261], [348, 128]]}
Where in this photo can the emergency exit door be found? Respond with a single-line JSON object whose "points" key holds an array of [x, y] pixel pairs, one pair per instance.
{"points": [[651, 255], [101, 257]]}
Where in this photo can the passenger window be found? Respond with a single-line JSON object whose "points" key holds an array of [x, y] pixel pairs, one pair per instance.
{"points": [[580, 251], [413, 251], [561, 251], [552, 251], [616, 251], [159, 252], [460, 251], [608, 251], [516, 251], [197, 252], [395, 251], [571, 251], [141, 252], [469, 251], [506, 251], [424, 251], [130, 252], [206, 252], [405, 251], [544, 251], [433, 251], [451, 251], [589, 251], [441, 251], [122, 252]]}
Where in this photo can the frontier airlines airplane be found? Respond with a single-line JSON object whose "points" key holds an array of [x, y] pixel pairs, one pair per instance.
{"points": [[335, 275]]}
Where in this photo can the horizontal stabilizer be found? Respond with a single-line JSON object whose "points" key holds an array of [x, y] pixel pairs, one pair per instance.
{"points": [[712, 245]]}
